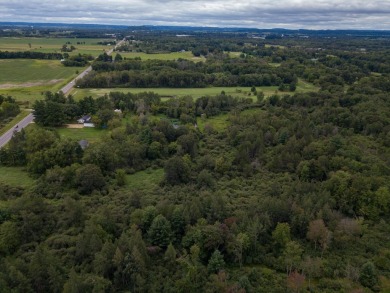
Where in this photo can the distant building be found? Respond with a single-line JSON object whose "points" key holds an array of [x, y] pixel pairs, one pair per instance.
{"points": [[84, 119]]}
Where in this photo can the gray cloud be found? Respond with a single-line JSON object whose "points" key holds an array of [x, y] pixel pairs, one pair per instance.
{"points": [[314, 14]]}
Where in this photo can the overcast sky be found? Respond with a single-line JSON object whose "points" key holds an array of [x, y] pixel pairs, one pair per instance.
{"points": [[313, 14]]}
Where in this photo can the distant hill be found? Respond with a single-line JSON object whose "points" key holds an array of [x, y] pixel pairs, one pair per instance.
{"points": [[182, 29]]}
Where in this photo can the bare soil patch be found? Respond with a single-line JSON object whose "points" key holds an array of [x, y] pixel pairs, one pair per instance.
{"points": [[74, 125], [29, 84]]}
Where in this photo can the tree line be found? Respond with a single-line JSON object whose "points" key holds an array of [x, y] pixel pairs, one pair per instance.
{"points": [[30, 55]]}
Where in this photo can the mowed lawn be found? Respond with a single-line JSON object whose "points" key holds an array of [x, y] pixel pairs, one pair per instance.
{"points": [[54, 45], [162, 56]]}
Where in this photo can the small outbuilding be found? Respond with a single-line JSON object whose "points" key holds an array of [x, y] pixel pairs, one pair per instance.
{"points": [[84, 119], [89, 124]]}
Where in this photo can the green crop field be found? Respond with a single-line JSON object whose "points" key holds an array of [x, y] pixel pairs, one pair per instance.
{"points": [[53, 45], [26, 79], [17, 71], [163, 56]]}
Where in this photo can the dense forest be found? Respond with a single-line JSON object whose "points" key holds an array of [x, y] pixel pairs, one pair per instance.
{"points": [[289, 193]]}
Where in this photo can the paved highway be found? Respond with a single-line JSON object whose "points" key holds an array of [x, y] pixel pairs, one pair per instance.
{"points": [[6, 137], [66, 89]]}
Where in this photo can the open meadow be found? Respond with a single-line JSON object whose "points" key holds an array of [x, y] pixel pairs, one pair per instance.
{"points": [[26, 79], [162, 56], [15, 176], [15, 72], [302, 86]]}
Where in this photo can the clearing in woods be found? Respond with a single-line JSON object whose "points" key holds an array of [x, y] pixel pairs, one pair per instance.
{"points": [[162, 56], [302, 86]]}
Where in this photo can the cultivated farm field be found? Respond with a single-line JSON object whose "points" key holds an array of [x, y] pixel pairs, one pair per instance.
{"points": [[26, 79], [17, 71], [53, 45]]}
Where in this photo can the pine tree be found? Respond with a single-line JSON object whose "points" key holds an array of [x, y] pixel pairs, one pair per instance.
{"points": [[216, 262], [160, 231]]}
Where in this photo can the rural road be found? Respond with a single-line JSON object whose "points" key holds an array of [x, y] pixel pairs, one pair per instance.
{"points": [[66, 89], [6, 137]]}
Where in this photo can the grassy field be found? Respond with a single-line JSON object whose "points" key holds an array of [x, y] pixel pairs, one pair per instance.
{"points": [[26, 80], [169, 92], [30, 94], [173, 92], [218, 123], [53, 45], [163, 56], [234, 54], [148, 179], [90, 134], [275, 46], [194, 92], [304, 86], [15, 176], [19, 71]]}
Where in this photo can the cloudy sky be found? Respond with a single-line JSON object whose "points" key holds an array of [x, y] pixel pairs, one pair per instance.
{"points": [[310, 14]]}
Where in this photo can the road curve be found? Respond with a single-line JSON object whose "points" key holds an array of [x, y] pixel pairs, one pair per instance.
{"points": [[6, 137]]}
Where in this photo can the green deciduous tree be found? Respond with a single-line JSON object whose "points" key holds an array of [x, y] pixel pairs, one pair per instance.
{"points": [[281, 234], [176, 171], [89, 178], [160, 232]]}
